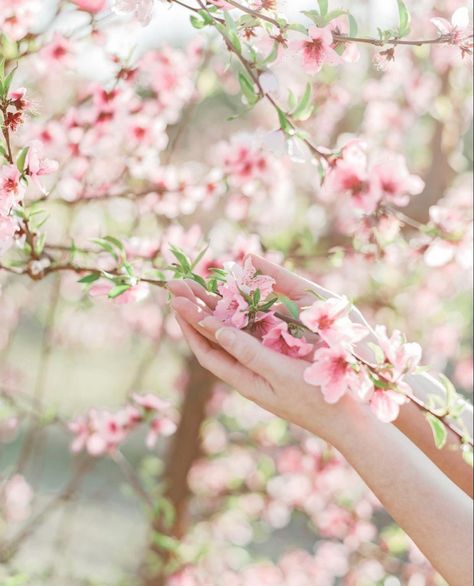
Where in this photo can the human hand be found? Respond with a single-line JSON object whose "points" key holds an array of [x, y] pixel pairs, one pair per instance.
{"points": [[273, 381]]}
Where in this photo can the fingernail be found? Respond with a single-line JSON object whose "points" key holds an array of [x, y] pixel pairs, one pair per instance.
{"points": [[226, 337], [208, 323], [178, 302]]}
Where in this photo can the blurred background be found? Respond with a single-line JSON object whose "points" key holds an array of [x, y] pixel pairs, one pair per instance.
{"points": [[260, 496]]}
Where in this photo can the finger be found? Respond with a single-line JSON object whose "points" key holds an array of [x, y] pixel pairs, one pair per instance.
{"points": [[210, 299], [180, 288], [197, 318], [226, 368], [251, 353], [288, 283], [190, 311]]}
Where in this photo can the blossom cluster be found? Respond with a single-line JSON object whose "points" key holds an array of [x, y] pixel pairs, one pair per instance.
{"points": [[248, 301], [102, 432]]}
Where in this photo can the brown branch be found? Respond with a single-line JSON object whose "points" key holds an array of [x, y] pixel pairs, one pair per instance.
{"points": [[340, 38]]}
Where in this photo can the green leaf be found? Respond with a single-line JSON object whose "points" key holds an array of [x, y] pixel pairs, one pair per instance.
{"points": [[21, 159], [378, 353], [439, 430], [272, 56], [323, 7], [405, 18], [8, 80], [353, 26], [248, 89], [118, 290], [314, 16], [182, 259], [231, 32], [290, 305], [305, 107], [196, 22], [88, 279], [165, 542], [285, 124]]}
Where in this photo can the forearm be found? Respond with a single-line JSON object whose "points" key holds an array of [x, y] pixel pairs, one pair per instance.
{"points": [[433, 511], [413, 424]]}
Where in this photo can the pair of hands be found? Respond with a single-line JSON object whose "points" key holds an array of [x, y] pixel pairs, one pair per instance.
{"points": [[273, 381]]}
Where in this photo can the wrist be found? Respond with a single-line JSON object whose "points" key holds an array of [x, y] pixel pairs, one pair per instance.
{"points": [[339, 424]]}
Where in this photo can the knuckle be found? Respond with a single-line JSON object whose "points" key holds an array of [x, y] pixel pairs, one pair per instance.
{"points": [[248, 355]]}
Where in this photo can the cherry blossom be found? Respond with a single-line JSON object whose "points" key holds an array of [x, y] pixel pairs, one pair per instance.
{"points": [[281, 340], [11, 189], [142, 10], [317, 50], [404, 357], [92, 6], [333, 371], [459, 27], [37, 165], [15, 499], [330, 319]]}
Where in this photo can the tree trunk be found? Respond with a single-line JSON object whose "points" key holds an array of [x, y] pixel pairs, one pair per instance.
{"points": [[185, 450]]}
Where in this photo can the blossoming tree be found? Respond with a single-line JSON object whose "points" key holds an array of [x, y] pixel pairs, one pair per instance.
{"points": [[295, 137]]}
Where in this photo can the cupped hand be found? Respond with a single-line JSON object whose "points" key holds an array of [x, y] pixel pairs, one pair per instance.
{"points": [[272, 380]]}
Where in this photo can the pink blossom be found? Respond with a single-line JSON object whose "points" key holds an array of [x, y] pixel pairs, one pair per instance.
{"points": [[386, 404], [15, 499], [18, 99], [402, 356], [57, 52], [159, 427], [318, 49], [248, 280], [151, 402], [99, 433], [37, 165], [8, 228], [394, 182], [92, 6], [280, 340], [232, 309], [330, 319], [459, 27], [349, 175], [11, 189], [142, 10], [333, 371]]}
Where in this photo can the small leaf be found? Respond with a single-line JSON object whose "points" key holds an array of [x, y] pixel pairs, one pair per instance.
{"points": [[88, 279], [290, 305], [405, 18], [305, 107], [378, 353], [196, 22], [323, 7], [182, 259], [439, 430], [353, 26], [248, 89], [285, 124], [118, 290], [8, 81], [165, 542], [21, 159]]}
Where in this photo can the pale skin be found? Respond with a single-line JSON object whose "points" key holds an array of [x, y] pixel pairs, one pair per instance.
{"points": [[427, 491]]}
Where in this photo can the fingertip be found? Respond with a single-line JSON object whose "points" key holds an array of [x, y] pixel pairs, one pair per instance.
{"points": [[226, 337]]}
